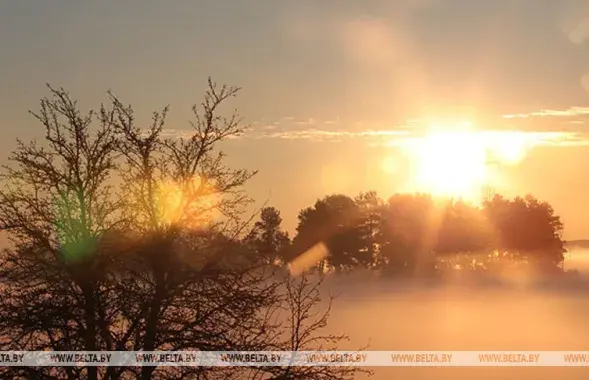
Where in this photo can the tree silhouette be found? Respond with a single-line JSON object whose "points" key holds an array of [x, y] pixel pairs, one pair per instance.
{"points": [[371, 210], [267, 239], [333, 220], [405, 233], [463, 229], [175, 186], [56, 204], [303, 329], [127, 240], [529, 229]]}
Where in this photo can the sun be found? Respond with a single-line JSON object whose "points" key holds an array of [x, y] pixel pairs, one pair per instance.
{"points": [[450, 161], [458, 160]]}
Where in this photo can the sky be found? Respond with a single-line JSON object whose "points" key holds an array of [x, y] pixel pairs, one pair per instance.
{"points": [[329, 87]]}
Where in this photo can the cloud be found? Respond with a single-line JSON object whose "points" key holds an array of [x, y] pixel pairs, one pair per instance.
{"points": [[310, 121], [403, 135], [565, 139], [188, 133], [399, 136], [176, 133], [316, 134], [571, 112]]}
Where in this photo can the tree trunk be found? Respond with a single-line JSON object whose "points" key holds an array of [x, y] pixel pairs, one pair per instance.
{"points": [[90, 333], [151, 325]]}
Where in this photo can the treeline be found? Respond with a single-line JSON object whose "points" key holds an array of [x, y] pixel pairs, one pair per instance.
{"points": [[414, 234]]}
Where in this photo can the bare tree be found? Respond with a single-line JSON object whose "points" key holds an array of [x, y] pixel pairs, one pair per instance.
{"points": [[55, 203], [304, 324], [158, 265], [174, 187]]}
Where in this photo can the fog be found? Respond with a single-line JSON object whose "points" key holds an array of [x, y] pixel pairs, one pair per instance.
{"points": [[512, 315]]}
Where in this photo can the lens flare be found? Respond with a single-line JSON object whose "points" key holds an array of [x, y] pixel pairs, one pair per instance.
{"points": [[191, 203]]}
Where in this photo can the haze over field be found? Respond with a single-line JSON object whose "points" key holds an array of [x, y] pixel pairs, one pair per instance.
{"points": [[465, 319], [407, 316]]}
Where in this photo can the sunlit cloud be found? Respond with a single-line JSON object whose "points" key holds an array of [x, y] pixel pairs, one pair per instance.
{"points": [[505, 141], [189, 133], [569, 139], [571, 112], [322, 134], [309, 121], [176, 133], [402, 135]]}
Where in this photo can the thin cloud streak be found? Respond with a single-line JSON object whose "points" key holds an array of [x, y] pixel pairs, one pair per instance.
{"points": [[334, 131], [401, 136], [525, 139], [571, 112], [320, 134]]}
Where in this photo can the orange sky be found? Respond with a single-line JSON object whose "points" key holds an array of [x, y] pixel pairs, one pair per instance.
{"points": [[331, 89]]}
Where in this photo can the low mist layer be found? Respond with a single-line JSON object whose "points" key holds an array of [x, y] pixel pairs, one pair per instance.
{"points": [[411, 315]]}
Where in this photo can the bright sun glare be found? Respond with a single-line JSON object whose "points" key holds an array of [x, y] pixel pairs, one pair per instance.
{"points": [[454, 160], [451, 163]]}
